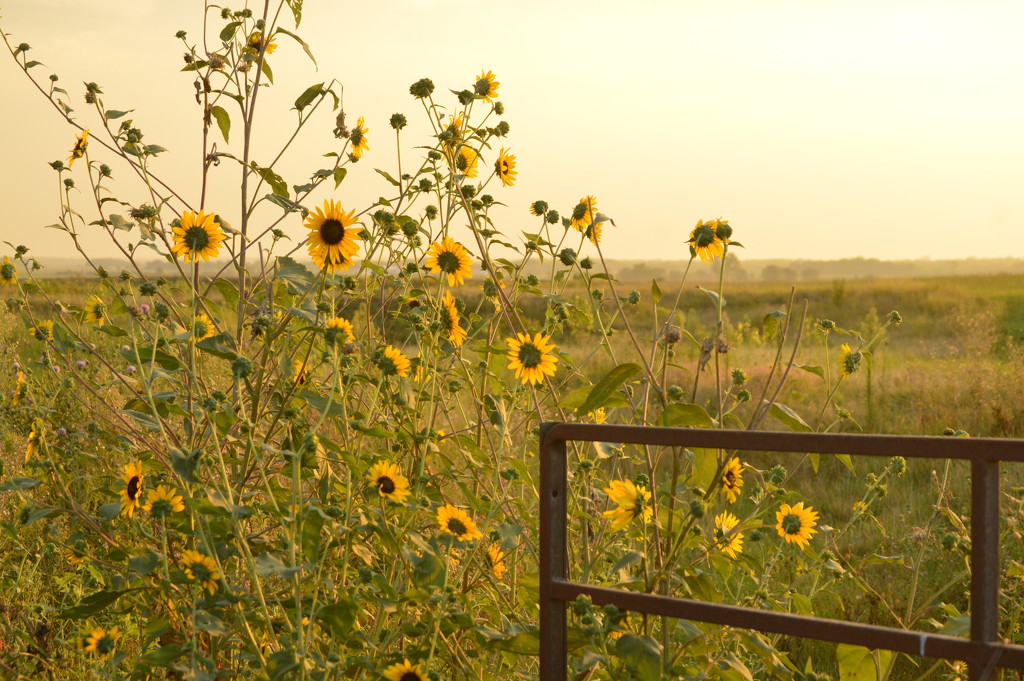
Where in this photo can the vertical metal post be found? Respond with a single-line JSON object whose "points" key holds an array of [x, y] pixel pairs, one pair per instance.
{"points": [[984, 562], [553, 560]]}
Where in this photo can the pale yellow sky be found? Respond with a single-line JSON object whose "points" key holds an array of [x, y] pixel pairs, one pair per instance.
{"points": [[819, 129]]}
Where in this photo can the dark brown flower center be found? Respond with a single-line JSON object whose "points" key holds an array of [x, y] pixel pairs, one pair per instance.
{"points": [[134, 484], [456, 527], [196, 238], [410, 676], [529, 355], [730, 478], [791, 524], [332, 232], [448, 262], [385, 484]]}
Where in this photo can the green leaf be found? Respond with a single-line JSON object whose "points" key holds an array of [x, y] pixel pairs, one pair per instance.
{"points": [[338, 618], [154, 149], [712, 295], [145, 420], [269, 564], [209, 623], [771, 323], [229, 291], [223, 120], [816, 370], [495, 410], [299, 40], [642, 654], [21, 484], [111, 330], [229, 30], [296, 7], [112, 114], [602, 391], [221, 345], [686, 416], [278, 185], [92, 604], [339, 175], [288, 205], [519, 642], [387, 177], [789, 418], [296, 275], [144, 564], [307, 97], [857, 663], [267, 71], [655, 291]]}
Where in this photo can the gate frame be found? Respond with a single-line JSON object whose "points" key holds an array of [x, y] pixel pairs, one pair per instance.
{"points": [[983, 650]]}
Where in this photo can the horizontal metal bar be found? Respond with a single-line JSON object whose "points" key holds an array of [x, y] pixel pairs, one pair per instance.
{"points": [[870, 636], [986, 449]]}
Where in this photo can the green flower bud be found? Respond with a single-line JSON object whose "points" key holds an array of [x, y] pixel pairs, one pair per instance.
{"points": [[895, 318], [398, 121], [586, 264], [777, 474], [502, 128], [57, 165], [241, 367], [567, 256], [431, 212], [422, 88], [551, 217], [180, 34], [697, 508], [69, 182], [826, 324], [633, 298], [743, 396], [739, 378], [465, 97], [499, 108]]}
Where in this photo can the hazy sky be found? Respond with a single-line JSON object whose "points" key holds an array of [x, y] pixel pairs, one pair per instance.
{"points": [[889, 129]]}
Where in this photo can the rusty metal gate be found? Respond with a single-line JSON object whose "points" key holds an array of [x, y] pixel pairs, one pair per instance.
{"points": [[984, 651]]}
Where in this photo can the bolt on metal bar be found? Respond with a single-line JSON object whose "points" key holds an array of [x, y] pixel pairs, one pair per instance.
{"points": [[983, 650]]}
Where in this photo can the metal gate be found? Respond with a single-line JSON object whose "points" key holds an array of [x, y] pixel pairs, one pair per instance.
{"points": [[984, 651]]}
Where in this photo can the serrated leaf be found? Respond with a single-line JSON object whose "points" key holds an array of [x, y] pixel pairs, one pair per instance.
{"points": [[277, 185], [223, 120]]}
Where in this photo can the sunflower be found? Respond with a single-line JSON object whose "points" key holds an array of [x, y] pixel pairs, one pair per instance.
{"points": [[132, 492], [300, 371], [631, 502], [75, 555], [101, 641], [598, 415], [455, 521], [8, 272], [454, 131], [496, 559], [20, 388], [256, 42], [405, 671], [796, 523], [451, 258], [331, 241], [705, 242], [95, 311], [849, 361], [35, 439], [732, 479], [202, 328], [583, 213], [531, 358], [341, 329], [387, 478], [163, 501], [358, 138], [505, 166], [43, 330], [732, 542], [593, 232], [485, 86], [80, 146], [393, 362], [465, 161], [197, 236], [200, 569], [450, 320]]}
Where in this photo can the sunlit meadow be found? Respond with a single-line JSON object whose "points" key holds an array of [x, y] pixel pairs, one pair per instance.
{"points": [[266, 467]]}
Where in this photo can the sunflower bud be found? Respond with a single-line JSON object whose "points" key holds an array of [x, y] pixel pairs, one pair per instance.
{"points": [[502, 129], [180, 35], [697, 508], [567, 256], [895, 318], [398, 121], [826, 324], [739, 378], [723, 231], [551, 217], [57, 165], [499, 108], [743, 396], [586, 264], [422, 88]]}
